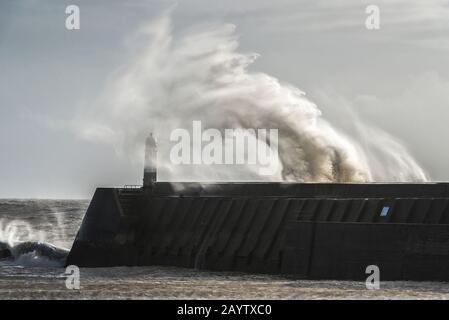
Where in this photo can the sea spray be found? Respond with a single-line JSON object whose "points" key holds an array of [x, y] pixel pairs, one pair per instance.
{"points": [[171, 81], [14, 231]]}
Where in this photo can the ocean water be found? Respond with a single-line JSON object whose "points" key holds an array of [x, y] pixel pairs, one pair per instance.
{"points": [[39, 234]]}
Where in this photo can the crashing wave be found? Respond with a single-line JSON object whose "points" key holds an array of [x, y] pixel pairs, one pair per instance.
{"points": [[33, 254]]}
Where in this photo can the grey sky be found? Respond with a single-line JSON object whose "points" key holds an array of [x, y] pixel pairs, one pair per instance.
{"points": [[396, 78]]}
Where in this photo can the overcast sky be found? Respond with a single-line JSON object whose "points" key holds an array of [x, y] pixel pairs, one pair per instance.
{"points": [[395, 78]]}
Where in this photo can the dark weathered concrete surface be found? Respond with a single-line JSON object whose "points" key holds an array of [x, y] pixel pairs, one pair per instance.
{"points": [[319, 231]]}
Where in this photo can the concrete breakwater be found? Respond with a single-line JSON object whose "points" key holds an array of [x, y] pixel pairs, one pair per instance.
{"points": [[315, 231]]}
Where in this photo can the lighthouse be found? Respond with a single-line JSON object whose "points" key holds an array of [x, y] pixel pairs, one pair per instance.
{"points": [[150, 164]]}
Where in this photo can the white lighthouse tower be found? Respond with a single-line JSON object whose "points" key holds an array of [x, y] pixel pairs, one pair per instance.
{"points": [[150, 164]]}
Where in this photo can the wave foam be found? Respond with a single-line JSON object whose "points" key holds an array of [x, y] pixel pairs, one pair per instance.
{"points": [[33, 254]]}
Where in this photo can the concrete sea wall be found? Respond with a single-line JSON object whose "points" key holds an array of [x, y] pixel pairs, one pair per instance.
{"points": [[316, 232]]}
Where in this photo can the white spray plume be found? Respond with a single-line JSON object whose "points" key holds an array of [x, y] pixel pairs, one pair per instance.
{"points": [[172, 81]]}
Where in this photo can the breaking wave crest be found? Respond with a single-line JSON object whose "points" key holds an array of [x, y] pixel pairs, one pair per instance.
{"points": [[175, 78], [33, 254]]}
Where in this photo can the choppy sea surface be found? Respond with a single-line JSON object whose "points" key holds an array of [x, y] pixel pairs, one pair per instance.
{"points": [[39, 234]]}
